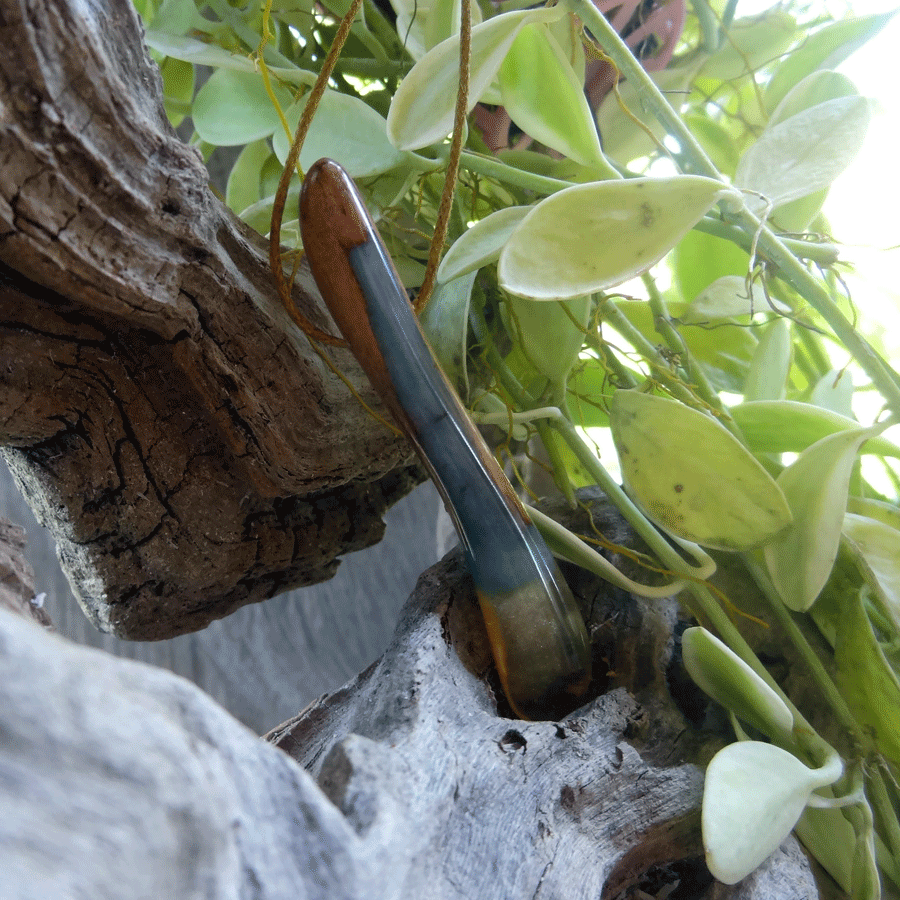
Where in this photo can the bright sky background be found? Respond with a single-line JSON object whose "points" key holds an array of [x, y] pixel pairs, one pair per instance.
{"points": [[863, 204]]}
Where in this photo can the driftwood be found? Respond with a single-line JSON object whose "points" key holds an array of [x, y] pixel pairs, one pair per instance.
{"points": [[120, 780], [180, 436]]}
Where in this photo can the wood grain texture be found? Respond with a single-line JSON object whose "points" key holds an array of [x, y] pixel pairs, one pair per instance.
{"points": [[266, 660], [187, 447], [121, 780]]}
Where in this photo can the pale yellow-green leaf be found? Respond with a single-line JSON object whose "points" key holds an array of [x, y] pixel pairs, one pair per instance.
{"points": [[726, 298], [481, 244], [815, 485], [693, 477], [879, 545], [767, 378], [346, 129], [544, 97], [548, 335], [806, 152], [834, 392], [591, 237], [568, 34], [725, 677], [787, 426], [442, 20], [751, 43], [422, 109], [823, 49], [880, 510], [819, 87], [753, 795]]}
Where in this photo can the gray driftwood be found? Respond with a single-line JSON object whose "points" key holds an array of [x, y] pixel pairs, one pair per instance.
{"points": [[119, 780], [186, 445]]}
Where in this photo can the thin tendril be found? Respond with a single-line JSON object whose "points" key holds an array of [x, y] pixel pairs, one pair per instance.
{"points": [[459, 122], [291, 163]]}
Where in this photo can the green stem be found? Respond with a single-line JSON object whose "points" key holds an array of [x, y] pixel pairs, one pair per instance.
{"points": [[615, 317], [695, 373], [794, 272], [826, 685], [769, 246], [885, 814], [495, 168], [649, 95], [823, 254]]}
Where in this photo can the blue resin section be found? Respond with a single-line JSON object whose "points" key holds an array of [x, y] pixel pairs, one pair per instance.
{"points": [[500, 554]]}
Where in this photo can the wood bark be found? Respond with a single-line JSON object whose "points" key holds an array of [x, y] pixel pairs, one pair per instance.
{"points": [[180, 436], [121, 780]]}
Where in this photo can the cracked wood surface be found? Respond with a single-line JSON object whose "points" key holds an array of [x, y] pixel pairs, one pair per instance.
{"points": [[165, 419], [121, 780]]}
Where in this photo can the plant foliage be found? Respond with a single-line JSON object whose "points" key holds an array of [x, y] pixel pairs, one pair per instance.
{"points": [[635, 244]]}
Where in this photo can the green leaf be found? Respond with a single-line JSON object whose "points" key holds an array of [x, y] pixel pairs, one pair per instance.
{"points": [[591, 237], [879, 546], [723, 348], [834, 392], [544, 97], [726, 298], [245, 180], [767, 378], [815, 485], [753, 795], [819, 87], [692, 477], [588, 389], [481, 244], [422, 109], [202, 54], [830, 838], [806, 152], [624, 139], [700, 259], [866, 679], [787, 426], [233, 108], [547, 334], [750, 44], [725, 677], [826, 48], [175, 17], [445, 321], [346, 129], [178, 88]]}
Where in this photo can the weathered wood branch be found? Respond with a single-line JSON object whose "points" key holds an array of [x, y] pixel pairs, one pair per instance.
{"points": [[190, 450], [120, 780]]}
